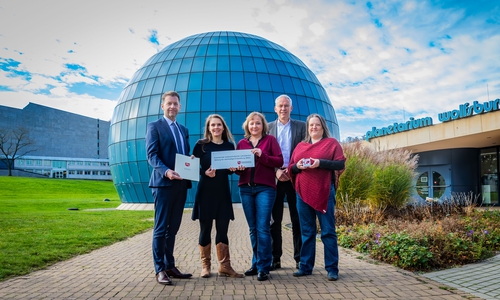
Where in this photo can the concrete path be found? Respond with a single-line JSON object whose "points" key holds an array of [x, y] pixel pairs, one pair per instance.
{"points": [[125, 271]]}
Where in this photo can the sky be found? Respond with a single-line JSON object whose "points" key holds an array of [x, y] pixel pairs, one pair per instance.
{"points": [[380, 62]]}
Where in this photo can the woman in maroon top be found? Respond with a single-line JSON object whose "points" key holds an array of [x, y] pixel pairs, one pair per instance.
{"points": [[258, 190]]}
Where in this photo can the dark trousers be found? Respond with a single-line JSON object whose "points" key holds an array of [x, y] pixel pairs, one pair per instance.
{"points": [[285, 188], [169, 207], [221, 228]]}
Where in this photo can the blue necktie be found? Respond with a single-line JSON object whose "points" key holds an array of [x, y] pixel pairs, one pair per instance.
{"points": [[179, 143]]}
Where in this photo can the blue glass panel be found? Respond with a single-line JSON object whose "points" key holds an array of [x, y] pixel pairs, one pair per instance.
{"points": [[232, 40], [223, 80], [198, 64], [186, 65], [267, 103], [291, 70], [287, 84], [223, 63], [158, 86], [260, 66], [141, 128], [174, 68], [236, 123], [298, 86], [143, 107], [251, 41], [144, 173], [214, 39], [300, 72], [255, 51], [281, 67], [154, 107], [170, 83], [191, 51], [307, 87], [264, 82], [134, 108], [131, 151], [212, 50], [195, 81], [302, 106], [237, 81], [223, 100], [238, 101], [208, 101], [241, 40], [274, 53], [148, 87], [312, 106], [276, 83], [205, 40], [193, 101], [314, 89], [253, 101], [164, 68], [172, 53], [211, 63], [202, 50], [245, 51], [181, 52], [248, 64], [236, 64], [223, 49], [124, 130], [271, 66], [195, 126], [138, 74], [234, 50], [139, 88], [146, 72], [319, 106], [265, 52], [251, 81], [155, 70], [209, 80], [131, 91]]}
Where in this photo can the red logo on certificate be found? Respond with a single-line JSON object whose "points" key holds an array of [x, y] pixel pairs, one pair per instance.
{"points": [[239, 162], [187, 164]]}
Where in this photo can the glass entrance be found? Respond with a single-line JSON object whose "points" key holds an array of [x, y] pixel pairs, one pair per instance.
{"points": [[433, 183], [489, 176]]}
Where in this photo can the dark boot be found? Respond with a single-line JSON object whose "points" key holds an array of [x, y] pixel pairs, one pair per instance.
{"points": [[205, 260], [225, 268]]}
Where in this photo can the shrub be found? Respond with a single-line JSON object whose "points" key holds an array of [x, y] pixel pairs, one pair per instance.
{"points": [[392, 186]]}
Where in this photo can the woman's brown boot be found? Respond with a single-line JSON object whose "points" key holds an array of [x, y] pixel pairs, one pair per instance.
{"points": [[225, 268], [205, 260]]}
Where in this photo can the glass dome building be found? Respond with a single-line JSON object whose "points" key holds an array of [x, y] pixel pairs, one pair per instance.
{"points": [[229, 73]]}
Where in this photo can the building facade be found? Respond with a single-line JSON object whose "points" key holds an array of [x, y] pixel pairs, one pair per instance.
{"points": [[65, 145], [460, 155], [228, 73]]}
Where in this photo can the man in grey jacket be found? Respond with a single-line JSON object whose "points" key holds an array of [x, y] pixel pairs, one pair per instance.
{"points": [[289, 133]]}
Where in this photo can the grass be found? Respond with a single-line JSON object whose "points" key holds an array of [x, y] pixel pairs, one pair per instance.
{"points": [[37, 229]]}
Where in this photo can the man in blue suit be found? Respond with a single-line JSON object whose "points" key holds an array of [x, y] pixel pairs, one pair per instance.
{"points": [[165, 138], [289, 133]]}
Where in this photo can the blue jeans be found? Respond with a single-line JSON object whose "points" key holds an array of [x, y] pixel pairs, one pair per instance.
{"points": [[257, 202], [307, 217]]}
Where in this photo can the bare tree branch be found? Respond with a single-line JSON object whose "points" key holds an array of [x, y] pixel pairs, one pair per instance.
{"points": [[14, 144]]}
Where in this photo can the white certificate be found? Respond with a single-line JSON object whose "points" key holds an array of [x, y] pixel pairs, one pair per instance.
{"points": [[232, 159], [187, 168]]}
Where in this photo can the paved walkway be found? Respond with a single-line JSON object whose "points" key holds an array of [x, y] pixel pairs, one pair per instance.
{"points": [[125, 271]]}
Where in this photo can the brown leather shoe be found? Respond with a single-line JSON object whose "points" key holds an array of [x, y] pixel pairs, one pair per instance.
{"points": [[174, 272], [162, 278]]}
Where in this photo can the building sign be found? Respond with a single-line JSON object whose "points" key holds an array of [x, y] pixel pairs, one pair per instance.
{"points": [[463, 111]]}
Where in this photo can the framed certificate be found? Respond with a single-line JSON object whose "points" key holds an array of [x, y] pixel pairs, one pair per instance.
{"points": [[187, 168], [232, 159]]}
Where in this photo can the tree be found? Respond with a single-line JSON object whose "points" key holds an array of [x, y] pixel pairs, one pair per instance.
{"points": [[14, 144]]}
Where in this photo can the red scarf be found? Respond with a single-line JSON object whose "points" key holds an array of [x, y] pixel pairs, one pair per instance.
{"points": [[313, 185]]}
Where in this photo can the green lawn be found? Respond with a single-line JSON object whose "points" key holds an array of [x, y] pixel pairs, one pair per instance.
{"points": [[37, 228]]}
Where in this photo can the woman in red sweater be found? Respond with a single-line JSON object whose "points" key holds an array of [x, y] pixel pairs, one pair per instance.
{"points": [[315, 167], [258, 190]]}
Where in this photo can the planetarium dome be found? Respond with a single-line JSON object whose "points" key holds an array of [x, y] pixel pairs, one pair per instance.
{"points": [[228, 73]]}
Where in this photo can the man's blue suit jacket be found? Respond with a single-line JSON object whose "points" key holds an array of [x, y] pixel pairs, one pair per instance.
{"points": [[161, 150]]}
